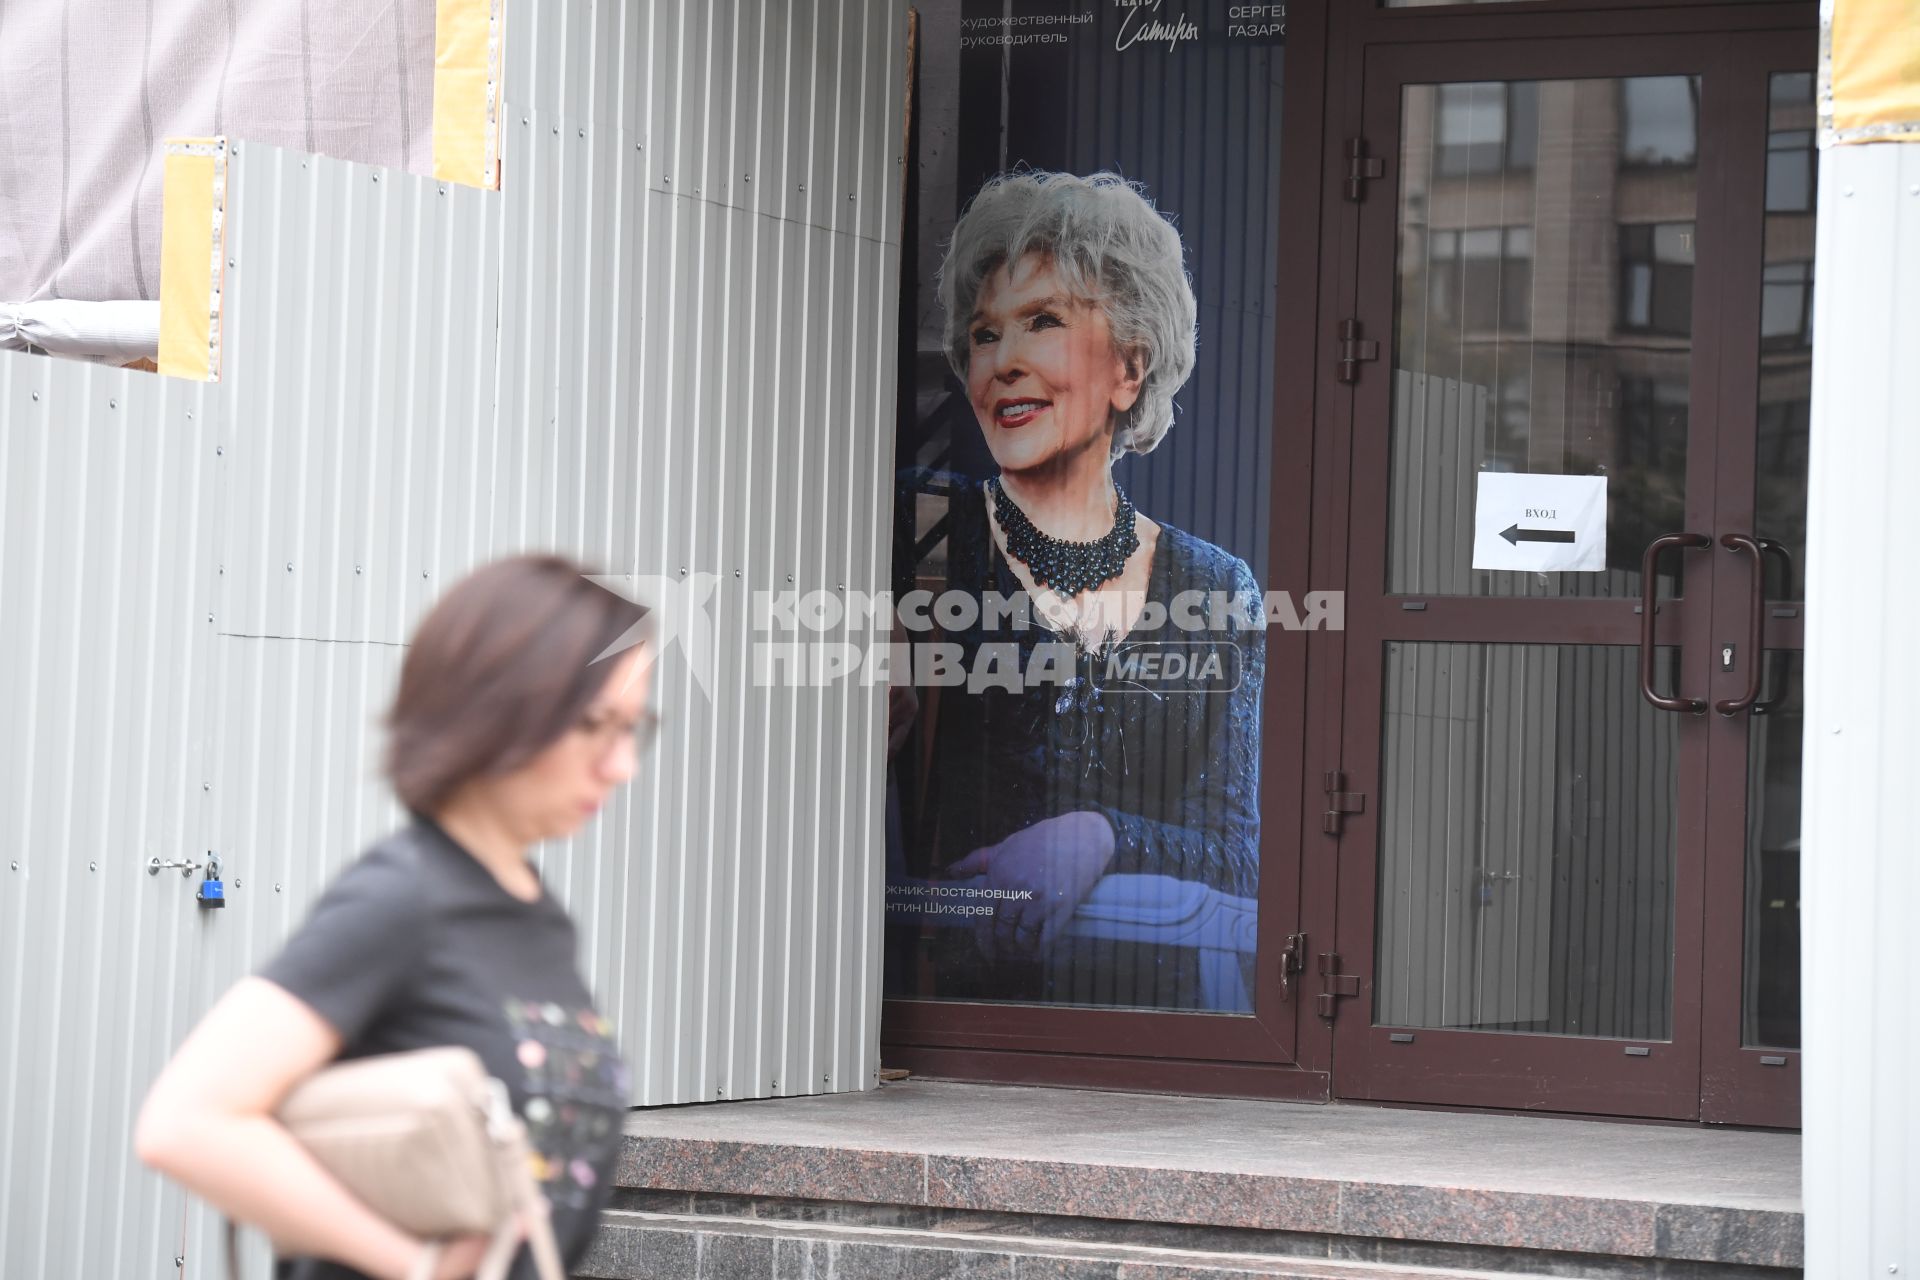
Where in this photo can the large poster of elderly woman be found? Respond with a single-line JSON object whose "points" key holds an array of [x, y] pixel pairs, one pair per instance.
{"points": [[1081, 525]]}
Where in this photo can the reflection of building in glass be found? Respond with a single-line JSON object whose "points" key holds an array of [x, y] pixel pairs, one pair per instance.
{"points": [[1546, 273], [1547, 256]]}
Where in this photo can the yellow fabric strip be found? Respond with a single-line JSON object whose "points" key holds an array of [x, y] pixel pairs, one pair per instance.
{"points": [[192, 249], [1873, 70], [466, 92]]}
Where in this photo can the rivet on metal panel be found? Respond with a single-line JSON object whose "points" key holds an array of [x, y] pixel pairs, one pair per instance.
{"points": [[376, 177], [276, 887], [189, 415], [746, 177], [113, 404], [583, 133], [789, 577], [849, 197], [803, 186], [443, 191], [219, 451], [233, 263], [356, 569], [736, 573], [289, 566], [425, 573], [221, 570], [1848, 193], [13, 866], [236, 882], [556, 130], [206, 786], [93, 866], [209, 617], [36, 397], [526, 120], [683, 571], [665, 179]]}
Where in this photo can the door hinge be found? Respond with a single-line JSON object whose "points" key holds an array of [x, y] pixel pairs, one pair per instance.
{"points": [[1340, 803], [1337, 985], [1354, 349], [1293, 959], [1361, 169]]}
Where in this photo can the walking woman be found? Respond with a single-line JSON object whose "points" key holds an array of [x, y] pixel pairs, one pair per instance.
{"points": [[510, 728]]}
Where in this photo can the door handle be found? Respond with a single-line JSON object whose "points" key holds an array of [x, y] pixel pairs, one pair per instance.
{"points": [[1782, 686], [1778, 550], [1756, 623], [1649, 588]]}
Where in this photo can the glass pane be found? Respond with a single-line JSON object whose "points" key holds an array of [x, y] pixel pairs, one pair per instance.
{"points": [[1527, 819], [1544, 316], [1786, 335], [1771, 1008]]}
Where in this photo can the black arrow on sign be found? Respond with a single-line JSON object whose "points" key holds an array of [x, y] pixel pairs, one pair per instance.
{"points": [[1515, 535]]}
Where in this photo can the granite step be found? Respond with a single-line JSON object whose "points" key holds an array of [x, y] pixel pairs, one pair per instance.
{"points": [[642, 1245], [1255, 1184]]}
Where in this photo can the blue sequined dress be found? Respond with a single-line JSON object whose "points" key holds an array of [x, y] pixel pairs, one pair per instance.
{"points": [[1173, 766]]}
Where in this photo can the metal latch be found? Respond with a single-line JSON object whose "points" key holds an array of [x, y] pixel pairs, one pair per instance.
{"points": [[1293, 959], [1340, 802], [186, 867], [1354, 350]]}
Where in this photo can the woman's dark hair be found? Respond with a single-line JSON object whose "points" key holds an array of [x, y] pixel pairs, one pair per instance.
{"points": [[502, 666]]}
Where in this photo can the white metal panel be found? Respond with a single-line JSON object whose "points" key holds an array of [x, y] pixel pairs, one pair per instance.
{"points": [[1861, 858], [104, 590], [205, 614]]}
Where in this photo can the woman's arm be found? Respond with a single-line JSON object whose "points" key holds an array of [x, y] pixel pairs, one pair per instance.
{"points": [[208, 1123]]}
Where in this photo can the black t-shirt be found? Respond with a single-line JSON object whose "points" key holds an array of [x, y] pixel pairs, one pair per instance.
{"points": [[417, 945]]}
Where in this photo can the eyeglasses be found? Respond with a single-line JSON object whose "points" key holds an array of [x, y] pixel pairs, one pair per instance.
{"points": [[601, 732]]}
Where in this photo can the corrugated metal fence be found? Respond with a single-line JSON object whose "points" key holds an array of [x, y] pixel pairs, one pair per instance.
{"points": [[661, 347], [1861, 1160]]}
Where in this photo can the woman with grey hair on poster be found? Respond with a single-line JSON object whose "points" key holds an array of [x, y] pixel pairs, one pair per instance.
{"points": [[1071, 321]]}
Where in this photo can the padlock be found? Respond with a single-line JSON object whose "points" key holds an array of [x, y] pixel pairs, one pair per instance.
{"points": [[213, 892]]}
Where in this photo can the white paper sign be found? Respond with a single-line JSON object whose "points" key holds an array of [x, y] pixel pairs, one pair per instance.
{"points": [[1540, 523]]}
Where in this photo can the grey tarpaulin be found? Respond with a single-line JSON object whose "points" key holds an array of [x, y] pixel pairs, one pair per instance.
{"points": [[91, 89]]}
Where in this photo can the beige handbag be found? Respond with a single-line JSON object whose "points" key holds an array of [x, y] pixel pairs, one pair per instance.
{"points": [[430, 1142]]}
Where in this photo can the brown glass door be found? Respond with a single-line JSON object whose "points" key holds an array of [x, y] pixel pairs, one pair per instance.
{"points": [[1556, 262], [1750, 1071]]}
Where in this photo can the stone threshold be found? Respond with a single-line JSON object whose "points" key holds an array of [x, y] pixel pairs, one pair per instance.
{"points": [[1557, 1188], [636, 1245]]}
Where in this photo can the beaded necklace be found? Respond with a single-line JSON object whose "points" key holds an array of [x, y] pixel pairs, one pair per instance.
{"points": [[1069, 568]]}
